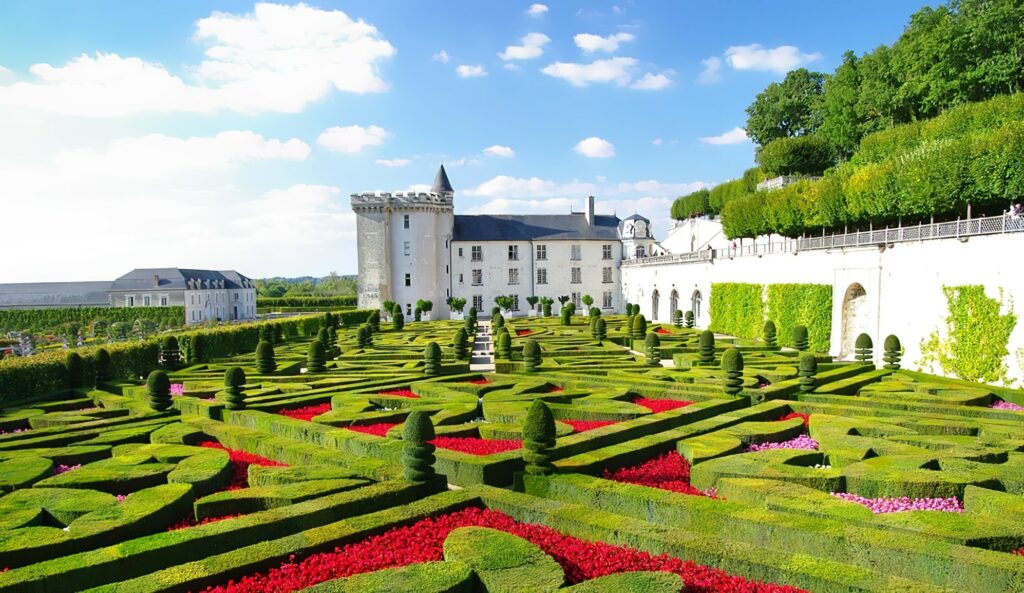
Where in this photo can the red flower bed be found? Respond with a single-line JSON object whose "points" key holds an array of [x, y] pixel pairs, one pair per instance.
{"points": [[240, 462], [1019, 552], [308, 412], [190, 521], [805, 417], [555, 389], [585, 425], [662, 330], [671, 471], [475, 446], [380, 429], [661, 405], [399, 393], [480, 381], [422, 542], [524, 332]]}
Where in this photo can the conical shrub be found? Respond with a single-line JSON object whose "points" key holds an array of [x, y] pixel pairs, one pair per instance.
{"points": [[863, 349], [689, 319], [170, 353], [652, 347], [278, 334], [417, 451], [497, 322], [639, 327], [158, 390], [432, 360], [324, 337], [677, 318], [234, 391], [503, 344], [266, 361], [706, 347], [460, 344], [103, 366], [769, 333], [601, 329], [893, 353], [316, 358], [398, 321], [808, 372], [800, 337], [538, 439], [267, 333], [74, 366], [531, 355], [732, 371]]}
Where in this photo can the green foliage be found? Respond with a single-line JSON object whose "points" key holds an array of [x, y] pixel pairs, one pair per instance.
{"points": [[417, 453], [267, 333], [800, 337], [504, 301], [398, 321], [893, 353], [799, 155], [497, 322], [502, 562], [689, 320], [768, 333], [432, 360], [587, 300], [266, 362], [234, 391], [503, 344], [802, 304], [460, 344], [389, 307], [374, 320], [652, 347], [690, 205], [788, 108], [977, 333], [565, 315], [424, 305], [732, 371], [863, 347], [736, 309], [808, 370], [332, 336], [102, 365], [40, 320], [158, 388], [75, 367], [545, 306], [639, 327], [316, 357], [539, 439], [677, 318], [601, 329], [706, 346], [309, 303], [457, 304], [417, 314], [531, 355], [324, 338]]}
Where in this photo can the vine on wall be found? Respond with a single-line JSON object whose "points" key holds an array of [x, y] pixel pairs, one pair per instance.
{"points": [[977, 336], [737, 309], [740, 309]]}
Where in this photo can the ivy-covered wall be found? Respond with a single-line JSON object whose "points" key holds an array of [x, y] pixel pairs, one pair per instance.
{"points": [[740, 309], [977, 336]]}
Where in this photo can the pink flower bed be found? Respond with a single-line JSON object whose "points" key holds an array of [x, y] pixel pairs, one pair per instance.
{"points": [[307, 413], [399, 393], [585, 425], [379, 429], [805, 417], [904, 503], [661, 405], [671, 471], [802, 442], [422, 542], [1008, 406], [177, 389], [60, 469], [476, 446]]}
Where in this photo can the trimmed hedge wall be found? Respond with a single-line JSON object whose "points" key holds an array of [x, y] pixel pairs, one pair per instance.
{"points": [[320, 302], [46, 319], [740, 309], [737, 309]]}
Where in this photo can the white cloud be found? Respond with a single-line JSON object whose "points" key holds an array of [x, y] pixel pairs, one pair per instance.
{"points": [[654, 187], [532, 47], [617, 70], [441, 56], [500, 151], [780, 60], [652, 82], [595, 148], [352, 139], [536, 10], [275, 59], [590, 43], [736, 135], [512, 66], [392, 162], [712, 72], [466, 160], [465, 71], [533, 187], [656, 142]]}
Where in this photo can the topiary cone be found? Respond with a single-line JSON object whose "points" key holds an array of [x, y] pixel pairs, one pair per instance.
{"points": [[316, 358], [503, 344], [677, 318], [706, 347], [497, 322], [601, 329], [267, 333], [75, 367], [432, 360], [652, 347], [417, 452], [398, 322], [893, 353], [769, 334], [863, 348], [800, 337], [234, 392], [324, 338], [639, 327], [103, 366], [460, 344], [808, 371], [266, 362], [538, 439], [732, 369], [531, 355], [158, 388], [689, 319], [278, 334], [170, 352]]}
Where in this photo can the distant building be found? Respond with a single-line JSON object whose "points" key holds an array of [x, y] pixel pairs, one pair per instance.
{"points": [[205, 294], [413, 246]]}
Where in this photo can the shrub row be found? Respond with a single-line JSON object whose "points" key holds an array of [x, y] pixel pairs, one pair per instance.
{"points": [[320, 302], [740, 309], [48, 319]]}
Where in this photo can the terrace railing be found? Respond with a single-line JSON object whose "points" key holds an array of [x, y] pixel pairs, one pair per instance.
{"points": [[956, 229]]}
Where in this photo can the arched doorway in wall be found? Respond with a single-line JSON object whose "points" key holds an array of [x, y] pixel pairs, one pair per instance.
{"points": [[673, 304], [855, 318], [639, 299], [695, 305], [655, 297]]}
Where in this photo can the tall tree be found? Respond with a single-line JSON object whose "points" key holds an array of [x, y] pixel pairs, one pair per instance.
{"points": [[788, 108], [841, 122]]}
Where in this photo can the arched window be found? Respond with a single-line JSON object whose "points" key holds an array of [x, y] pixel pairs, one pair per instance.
{"points": [[695, 304], [673, 303], [655, 297], [640, 251]]}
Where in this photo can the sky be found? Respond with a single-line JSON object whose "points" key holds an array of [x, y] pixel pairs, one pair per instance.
{"points": [[230, 135]]}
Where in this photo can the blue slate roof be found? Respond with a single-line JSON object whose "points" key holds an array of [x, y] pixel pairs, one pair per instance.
{"points": [[533, 227]]}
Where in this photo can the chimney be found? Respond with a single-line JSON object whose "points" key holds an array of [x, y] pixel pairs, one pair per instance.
{"points": [[590, 210], [156, 280]]}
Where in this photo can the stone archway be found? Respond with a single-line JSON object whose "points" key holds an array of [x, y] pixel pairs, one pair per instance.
{"points": [[655, 298], [673, 304], [695, 305], [855, 318]]}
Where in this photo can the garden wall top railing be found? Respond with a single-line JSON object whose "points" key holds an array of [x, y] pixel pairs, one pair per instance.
{"points": [[954, 229]]}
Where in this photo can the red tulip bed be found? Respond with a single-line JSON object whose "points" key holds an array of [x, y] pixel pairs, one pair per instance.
{"points": [[307, 413], [480, 381], [661, 405], [400, 393], [585, 425], [805, 417], [523, 332], [555, 389], [379, 429], [671, 472], [476, 446], [662, 330], [422, 542]]}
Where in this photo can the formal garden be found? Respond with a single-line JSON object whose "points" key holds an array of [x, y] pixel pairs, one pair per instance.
{"points": [[342, 453]]}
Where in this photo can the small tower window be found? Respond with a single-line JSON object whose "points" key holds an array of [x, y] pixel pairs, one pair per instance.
{"points": [[405, 221], [408, 279]]}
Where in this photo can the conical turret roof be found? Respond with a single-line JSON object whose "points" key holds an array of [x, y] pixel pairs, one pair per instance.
{"points": [[441, 183]]}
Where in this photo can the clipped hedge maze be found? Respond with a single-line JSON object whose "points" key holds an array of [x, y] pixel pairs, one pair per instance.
{"points": [[792, 473]]}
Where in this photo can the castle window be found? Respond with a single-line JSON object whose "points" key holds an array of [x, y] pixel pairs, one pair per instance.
{"points": [[542, 275], [576, 253], [477, 253], [606, 300], [576, 276], [606, 275], [478, 277], [606, 251], [515, 302], [408, 248], [542, 252], [513, 276], [460, 279], [460, 252], [408, 279], [478, 302], [513, 253], [405, 221], [640, 251], [163, 301], [145, 301], [576, 300], [129, 301]]}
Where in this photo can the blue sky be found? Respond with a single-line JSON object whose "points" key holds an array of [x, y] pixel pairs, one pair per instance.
{"points": [[230, 134]]}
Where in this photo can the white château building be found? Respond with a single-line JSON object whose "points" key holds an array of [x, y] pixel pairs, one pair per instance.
{"points": [[413, 246]]}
